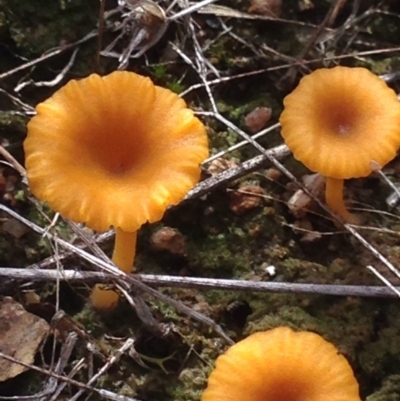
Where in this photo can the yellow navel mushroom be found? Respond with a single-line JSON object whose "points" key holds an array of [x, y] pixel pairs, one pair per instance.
{"points": [[282, 365], [114, 151], [337, 122]]}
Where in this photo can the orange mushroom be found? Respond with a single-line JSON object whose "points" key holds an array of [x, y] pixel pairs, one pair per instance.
{"points": [[114, 151], [337, 122], [282, 365]]}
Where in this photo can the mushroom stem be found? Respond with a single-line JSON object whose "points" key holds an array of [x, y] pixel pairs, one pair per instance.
{"points": [[334, 199], [124, 249], [123, 256]]}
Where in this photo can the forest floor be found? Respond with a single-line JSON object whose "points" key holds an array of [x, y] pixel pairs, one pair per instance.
{"points": [[233, 62]]}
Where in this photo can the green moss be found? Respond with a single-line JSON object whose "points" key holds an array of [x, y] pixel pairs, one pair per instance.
{"points": [[164, 75], [222, 140], [380, 357], [291, 316], [12, 126], [190, 386], [217, 255], [293, 269], [37, 26], [390, 390], [221, 53], [220, 243], [25, 384]]}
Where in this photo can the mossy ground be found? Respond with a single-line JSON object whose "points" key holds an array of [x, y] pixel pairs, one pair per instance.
{"points": [[220, 243]]}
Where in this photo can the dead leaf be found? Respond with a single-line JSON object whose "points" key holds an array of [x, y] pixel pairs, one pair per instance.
{"points": [[300, 203], [269, 8], [15, 228], [224, 11], [168, 239], [21, 333], [258, 118], [246, 198], [219, 165]]}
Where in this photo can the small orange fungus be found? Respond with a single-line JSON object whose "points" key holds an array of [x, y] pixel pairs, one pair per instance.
{"points": [[339, 120], [114, 151], [282, 365]]}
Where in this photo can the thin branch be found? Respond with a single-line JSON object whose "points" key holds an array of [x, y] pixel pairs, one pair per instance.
{"points": [[49, 55], [12, 160], [89, 277], [103, 393], [119, 275], [348, 227]]}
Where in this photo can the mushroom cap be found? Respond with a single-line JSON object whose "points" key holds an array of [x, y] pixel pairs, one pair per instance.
{"points": [[114, 151], [338, 120], [282, 365]]}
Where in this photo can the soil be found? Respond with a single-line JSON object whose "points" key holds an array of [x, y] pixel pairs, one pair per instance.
{"points": [[230, 232]]}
